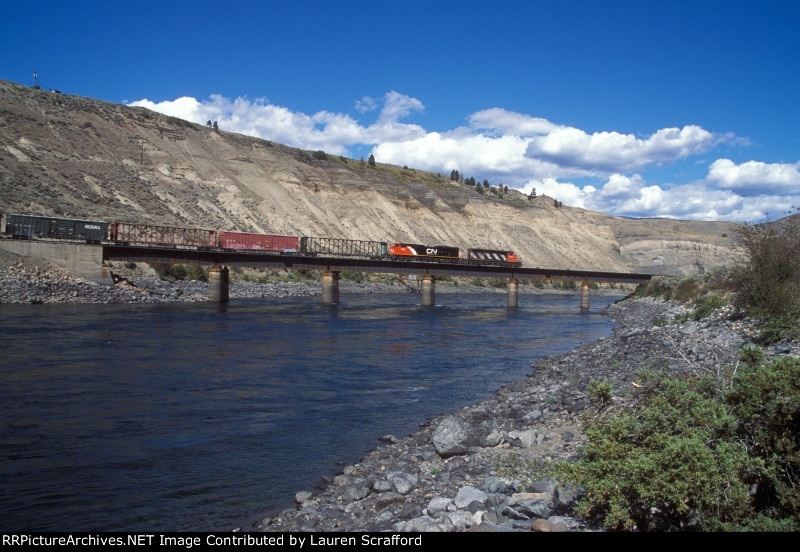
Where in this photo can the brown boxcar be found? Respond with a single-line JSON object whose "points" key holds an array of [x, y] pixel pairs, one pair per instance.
{"points": [[258, 242], [169, 236]]}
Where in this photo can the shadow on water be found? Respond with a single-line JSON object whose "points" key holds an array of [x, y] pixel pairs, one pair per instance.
{"points": [[198, 416]]}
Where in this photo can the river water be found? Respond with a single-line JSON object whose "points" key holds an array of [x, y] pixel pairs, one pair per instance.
{"points": [[202, 417]]}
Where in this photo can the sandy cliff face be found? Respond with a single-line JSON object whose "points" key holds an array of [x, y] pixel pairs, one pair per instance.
{"points": [[71, 156]]}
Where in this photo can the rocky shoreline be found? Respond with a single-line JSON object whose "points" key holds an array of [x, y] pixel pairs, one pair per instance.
{"points": [[27, 281], [484, 468]]}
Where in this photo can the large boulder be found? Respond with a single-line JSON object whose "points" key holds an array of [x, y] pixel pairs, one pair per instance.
{"points": [[468, 428]]}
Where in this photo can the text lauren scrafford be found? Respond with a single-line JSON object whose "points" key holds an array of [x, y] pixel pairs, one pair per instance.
{"points": [[366, 540]]}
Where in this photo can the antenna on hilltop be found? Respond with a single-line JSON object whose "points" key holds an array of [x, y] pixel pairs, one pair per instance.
{"points": [[35, 77]]}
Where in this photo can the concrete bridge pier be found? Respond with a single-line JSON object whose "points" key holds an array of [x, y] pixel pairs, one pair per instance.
{"points": [[584, 296], [218, 278], [428, 291], [513, 297], [330, 288]]}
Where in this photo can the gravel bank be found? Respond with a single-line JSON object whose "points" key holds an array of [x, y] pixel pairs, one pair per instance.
{"points": [[29, 281]]}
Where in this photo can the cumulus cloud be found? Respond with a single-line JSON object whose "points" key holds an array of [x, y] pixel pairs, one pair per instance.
{"points": [[500, 121], [603, 171], [756, 177], [614, 152], [184, 108], [332, 132], [398, 105], [632, 196], [366, 104]]}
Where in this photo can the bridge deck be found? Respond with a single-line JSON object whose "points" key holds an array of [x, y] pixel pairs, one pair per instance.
{"points": [[349, 264]]}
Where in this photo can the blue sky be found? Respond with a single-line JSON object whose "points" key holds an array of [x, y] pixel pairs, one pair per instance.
{"points": [[677, 109]]}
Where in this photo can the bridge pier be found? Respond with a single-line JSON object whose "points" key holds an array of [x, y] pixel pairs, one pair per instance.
{"points": [[584, 296], [513, 297], [428, 291], [330, 288], [218, 278]]}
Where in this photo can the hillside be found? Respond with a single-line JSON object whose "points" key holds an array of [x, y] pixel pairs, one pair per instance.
{"points": [[72, 156]]}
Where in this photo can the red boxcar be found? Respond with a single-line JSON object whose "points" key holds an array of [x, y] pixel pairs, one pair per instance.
{"points": [[258, 242]]}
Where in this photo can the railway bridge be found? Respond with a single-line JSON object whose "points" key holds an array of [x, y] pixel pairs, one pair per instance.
{"points": [[332, 266]]}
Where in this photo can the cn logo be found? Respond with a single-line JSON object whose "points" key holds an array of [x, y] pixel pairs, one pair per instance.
{"points": [[431, 251]]}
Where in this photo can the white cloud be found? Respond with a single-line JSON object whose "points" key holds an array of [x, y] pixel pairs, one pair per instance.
{"points": [[398, 105], [608, 152], [632, 196], [565, 192], [332, 132], [508, 122], [756, 177], [470, 154], [184, 108], [366, 104]]}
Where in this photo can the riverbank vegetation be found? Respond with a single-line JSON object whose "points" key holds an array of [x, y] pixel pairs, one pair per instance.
{"points": [[708, 451]]}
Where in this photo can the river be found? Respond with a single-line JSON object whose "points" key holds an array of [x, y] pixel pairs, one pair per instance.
{"points": [[195, 417]]}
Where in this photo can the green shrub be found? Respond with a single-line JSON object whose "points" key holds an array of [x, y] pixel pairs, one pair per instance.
{"points": [[163, 270], [600, 392], [657, 287], [172, 272], [675, 463], [766, 401], [686, 290], [705, 305], [766, 279], [689, 456]]}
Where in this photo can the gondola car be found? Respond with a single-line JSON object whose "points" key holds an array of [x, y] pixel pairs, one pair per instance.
{"points": [[424, 251], [30, 227]]}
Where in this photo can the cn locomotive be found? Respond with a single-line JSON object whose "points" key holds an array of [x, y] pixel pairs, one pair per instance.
{"points": [[135, 234]]}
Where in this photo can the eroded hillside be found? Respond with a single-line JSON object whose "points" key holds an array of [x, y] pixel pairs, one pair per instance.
{"points": [[71, 156]]}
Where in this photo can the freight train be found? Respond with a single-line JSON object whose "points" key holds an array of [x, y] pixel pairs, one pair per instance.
{"points": [[127, 233]]}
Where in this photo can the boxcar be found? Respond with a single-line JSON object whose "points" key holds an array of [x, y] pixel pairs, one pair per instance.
{"points": [[258, 242], [430, 251], [30, 227], [128, 233]]}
